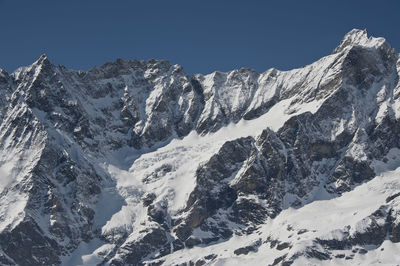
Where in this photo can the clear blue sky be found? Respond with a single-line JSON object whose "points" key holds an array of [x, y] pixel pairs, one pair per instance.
{"points": [[202, 36]]}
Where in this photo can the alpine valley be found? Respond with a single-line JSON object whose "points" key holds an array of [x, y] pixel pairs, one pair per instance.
{"points": [[137, 163]]}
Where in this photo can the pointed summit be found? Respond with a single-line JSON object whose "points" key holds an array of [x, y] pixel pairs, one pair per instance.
{"points": [[43, 56], [43, 59], [43, 65], [357, 37]]}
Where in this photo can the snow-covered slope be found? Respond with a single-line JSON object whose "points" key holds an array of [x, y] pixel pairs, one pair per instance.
{"points": [[135, 162]]}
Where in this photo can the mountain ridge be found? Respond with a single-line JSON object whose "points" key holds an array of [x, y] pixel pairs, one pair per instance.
{"points": [[137, 162]]}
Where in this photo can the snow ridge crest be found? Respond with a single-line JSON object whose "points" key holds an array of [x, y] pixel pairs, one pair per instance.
{"points": [[357, 37]]}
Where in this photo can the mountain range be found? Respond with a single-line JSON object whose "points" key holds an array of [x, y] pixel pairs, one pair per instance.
{"points": [[137, 163]]}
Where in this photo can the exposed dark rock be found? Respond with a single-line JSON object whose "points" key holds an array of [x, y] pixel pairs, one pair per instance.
{"points": [[302, 231], [282, 246], [177, 244], [200, 262], [26, 245], [157, 213], [362, 251], [376, 231], [210, 257], [390, 198], [148, 199], [191, 242], [133, 252], [279, 259], [251, 248]]}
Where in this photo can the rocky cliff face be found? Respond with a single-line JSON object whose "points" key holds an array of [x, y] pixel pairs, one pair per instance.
{"points": [[136, 163]]}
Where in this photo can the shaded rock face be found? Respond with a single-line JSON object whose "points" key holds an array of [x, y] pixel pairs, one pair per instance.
{"points": [[212, 191], [26, 245], [143, 102], [73, 146], [132, 252]]}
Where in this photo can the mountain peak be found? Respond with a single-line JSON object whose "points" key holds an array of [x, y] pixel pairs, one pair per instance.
{"points": [[357, 37], [43, 60]]}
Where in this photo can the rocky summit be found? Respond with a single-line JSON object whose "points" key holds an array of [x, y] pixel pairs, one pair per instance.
{"points": [[137, 163]]}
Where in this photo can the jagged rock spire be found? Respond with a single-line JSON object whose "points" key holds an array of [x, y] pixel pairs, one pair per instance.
{"points": [[357, 37]]}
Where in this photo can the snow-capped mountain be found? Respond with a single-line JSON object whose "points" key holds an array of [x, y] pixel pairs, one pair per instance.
{"points": [[137, 163]]}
